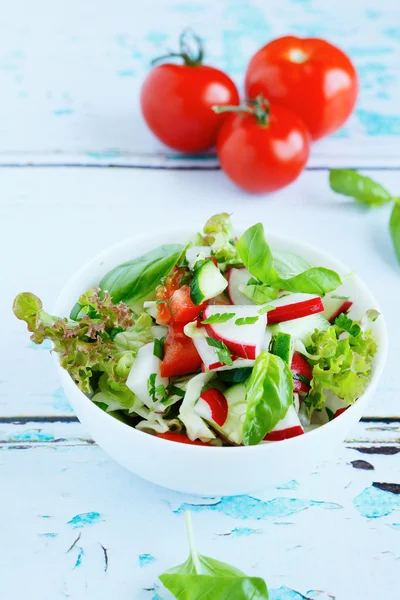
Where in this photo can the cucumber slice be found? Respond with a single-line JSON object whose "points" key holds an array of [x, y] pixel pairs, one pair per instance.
{"points": [[235, 375], [301, 329], [207, 283], [282, 345]]}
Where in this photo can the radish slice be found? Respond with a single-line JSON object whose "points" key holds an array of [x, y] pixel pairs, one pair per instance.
{"points": [[235, 278], [294, 306], [196, 428], [208, 354], [212, 406], [333, 307], [245, 341], [288, 427], [138, 379], [300, 367]]}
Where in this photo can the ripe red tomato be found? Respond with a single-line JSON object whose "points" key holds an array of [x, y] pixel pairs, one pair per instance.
{"points": [[181, 306], [263, 157], [176, 101], [180, 354], [309, 76]]}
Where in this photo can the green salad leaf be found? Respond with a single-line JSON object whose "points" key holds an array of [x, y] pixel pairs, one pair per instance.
{"points": [[204, 578], [219, 234], [269, 393], [394, 227], [136, 280], [221, 349], [364, 189], [86, 347], [258, 292], [133, 338], [342, 360], [283, 270], [256, 254]]}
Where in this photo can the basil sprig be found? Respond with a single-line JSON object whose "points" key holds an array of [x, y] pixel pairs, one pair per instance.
{"points": [[285, 271], [364, 189], [269, 395], [204, 578]]}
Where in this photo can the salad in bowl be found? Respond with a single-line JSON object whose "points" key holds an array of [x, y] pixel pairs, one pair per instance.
{"points": [[220, 342]]}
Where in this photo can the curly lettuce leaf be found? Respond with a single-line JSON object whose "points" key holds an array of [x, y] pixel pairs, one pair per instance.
{"points": [[219, 235], [342, 360], [136, 336], [86, 348]]}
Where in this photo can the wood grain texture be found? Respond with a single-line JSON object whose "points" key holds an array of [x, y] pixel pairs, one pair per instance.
{"points": [[71, 80]]}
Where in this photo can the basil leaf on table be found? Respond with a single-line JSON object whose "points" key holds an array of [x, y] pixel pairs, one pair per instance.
{"points": [[269, 396], [364, 189], [395, 229], [136, 280], [283, 270], [204, 578]]}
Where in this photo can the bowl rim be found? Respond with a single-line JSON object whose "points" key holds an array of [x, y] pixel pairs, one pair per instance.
{"points": [[273, 237]]}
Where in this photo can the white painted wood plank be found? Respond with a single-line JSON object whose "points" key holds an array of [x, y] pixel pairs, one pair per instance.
{"points": [[70, 77], [17, 433], [54, 220], [318, 533]]}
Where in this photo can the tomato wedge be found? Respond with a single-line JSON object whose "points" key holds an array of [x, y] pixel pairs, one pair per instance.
{"points": [[181, 306], [181, 438], [180, 354]]}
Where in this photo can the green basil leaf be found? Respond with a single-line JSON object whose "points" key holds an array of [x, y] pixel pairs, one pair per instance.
{"points": [[284, 270], [269, 396], [395, 229], [204, 578], [159, 348], [330, 413], [218, 318], [255, 253], [208, 587], [294, 274], [246, 320], [134, 281], [259, 293], [364, 189], [222, 351], [234, 375]]}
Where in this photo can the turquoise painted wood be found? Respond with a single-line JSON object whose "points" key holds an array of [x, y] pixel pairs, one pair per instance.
{"points": [[71, 80]]}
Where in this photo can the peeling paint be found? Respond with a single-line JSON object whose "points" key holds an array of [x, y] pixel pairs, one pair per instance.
{"points": [[290, 485], [374, 503], [145, 559], [285, 593], [247, 507], [89, 518]]}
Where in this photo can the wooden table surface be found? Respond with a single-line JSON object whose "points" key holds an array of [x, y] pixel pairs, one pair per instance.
{"points": [[75, 525]]}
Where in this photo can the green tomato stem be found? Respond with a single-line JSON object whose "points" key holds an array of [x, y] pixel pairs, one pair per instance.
{"points": [[258, 107], [191, 50]]}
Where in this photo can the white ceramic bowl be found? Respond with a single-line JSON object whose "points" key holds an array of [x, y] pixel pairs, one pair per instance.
{"points": [[214, 471]]}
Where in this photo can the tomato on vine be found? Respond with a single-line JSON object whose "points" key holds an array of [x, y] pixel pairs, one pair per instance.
{"points": [[262, 147], [177, 99], [309, 76]]}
